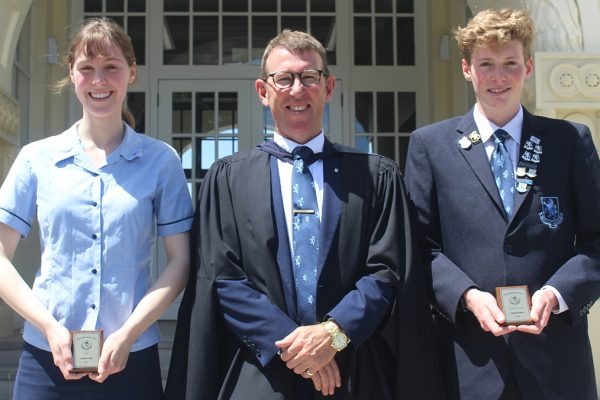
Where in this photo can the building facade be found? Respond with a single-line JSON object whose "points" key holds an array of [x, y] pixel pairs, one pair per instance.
{"points": [[396, 64]]}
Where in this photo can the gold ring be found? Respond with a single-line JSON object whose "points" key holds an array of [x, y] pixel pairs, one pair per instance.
{"points": [[309, 372]]}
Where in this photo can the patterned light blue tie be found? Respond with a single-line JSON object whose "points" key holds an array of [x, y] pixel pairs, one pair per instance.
{"points": [[306, 225], [503, 171]]}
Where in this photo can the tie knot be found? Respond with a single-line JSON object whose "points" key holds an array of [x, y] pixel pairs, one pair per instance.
{"points": [[304, 153], [501, 135]]}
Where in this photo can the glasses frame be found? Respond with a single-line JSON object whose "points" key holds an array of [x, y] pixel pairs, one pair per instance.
{"points": [[294, 75]]}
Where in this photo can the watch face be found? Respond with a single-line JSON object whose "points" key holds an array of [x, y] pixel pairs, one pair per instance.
{"points": [[339, 342]]}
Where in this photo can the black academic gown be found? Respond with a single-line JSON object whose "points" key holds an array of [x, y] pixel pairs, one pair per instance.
{"points": [[235, 238]]}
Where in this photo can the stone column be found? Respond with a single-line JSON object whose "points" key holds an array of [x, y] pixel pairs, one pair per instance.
{"points": [[9, 142]]}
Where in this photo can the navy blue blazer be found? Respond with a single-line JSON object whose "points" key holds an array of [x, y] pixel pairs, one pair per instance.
{"points": [[552, 239]]}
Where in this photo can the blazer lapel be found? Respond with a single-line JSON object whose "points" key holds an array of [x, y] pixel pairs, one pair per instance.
{"points": [[332, 206], [284, 257], [475, 156]]}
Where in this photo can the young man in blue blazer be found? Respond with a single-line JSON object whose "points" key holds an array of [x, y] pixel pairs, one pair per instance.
{"points": [[507, 198]]}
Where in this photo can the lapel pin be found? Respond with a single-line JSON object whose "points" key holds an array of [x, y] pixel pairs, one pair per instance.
{"points": [[521, 187], [474, 137], [336, 170], [464, 143]]}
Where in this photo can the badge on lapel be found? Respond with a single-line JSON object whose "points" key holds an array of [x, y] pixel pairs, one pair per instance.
{"points": [[550, 214], [464, 143], [472, 138], [531, 157]]}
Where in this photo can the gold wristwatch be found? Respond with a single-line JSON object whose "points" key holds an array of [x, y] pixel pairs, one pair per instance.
{"points": [[339, 340]]}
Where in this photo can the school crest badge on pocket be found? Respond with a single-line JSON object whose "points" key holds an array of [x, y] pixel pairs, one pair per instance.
{"points": [[551, 215]]}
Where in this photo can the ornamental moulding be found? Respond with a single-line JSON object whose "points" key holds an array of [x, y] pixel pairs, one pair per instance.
{"points": [[567, 80]]}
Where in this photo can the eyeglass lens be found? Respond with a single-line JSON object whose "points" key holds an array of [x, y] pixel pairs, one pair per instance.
{"points": [[308, 78]]}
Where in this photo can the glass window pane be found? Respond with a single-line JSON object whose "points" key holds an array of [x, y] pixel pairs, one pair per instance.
{"points": [[206, 155], [407, 112], [235, 40], [362, 6], [235, 5], [264, 5], [206, 5], [325, 119], [228, 111], [384, 42], [386, 147], [402, 151], [118, 19], [176, 41], [136, 103], [362, 41], [92, 6], [206, 40], [322, 5], [364, 143], [405, 6], [115, 5], [293, 5], [182, 112], [323, 28], [405, 40], [383, 6], [183, 146], [363, 112], [385, 112], [176, 5], [268, 123], [263, 29], [293, 23], [136, 28], [195, 187], [227, 146], [205, 112], [136, 5]]}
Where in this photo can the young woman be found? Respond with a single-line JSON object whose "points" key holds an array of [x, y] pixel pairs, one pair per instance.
{"points": [[102, 192]]}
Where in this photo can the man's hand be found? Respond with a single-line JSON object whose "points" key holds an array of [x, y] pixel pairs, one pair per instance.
{"points": [[307, 348], [542, 303], [483, 305], [327, 379]]}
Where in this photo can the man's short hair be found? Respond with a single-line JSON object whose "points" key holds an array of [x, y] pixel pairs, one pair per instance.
{"points": [[491, 28], [294, 41]]}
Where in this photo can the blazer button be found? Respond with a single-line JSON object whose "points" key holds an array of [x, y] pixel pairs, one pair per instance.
{"points": [[508, 249]]}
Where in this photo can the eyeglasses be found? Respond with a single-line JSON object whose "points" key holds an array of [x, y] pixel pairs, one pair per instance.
{"points": [[284, 79]]}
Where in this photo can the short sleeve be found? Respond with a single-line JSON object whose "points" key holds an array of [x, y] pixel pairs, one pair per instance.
{"points": [[173, 203], [18, 195]]}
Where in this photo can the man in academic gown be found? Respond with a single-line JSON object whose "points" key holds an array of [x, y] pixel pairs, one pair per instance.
{"points": [[246, 328], [530, 217]]}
